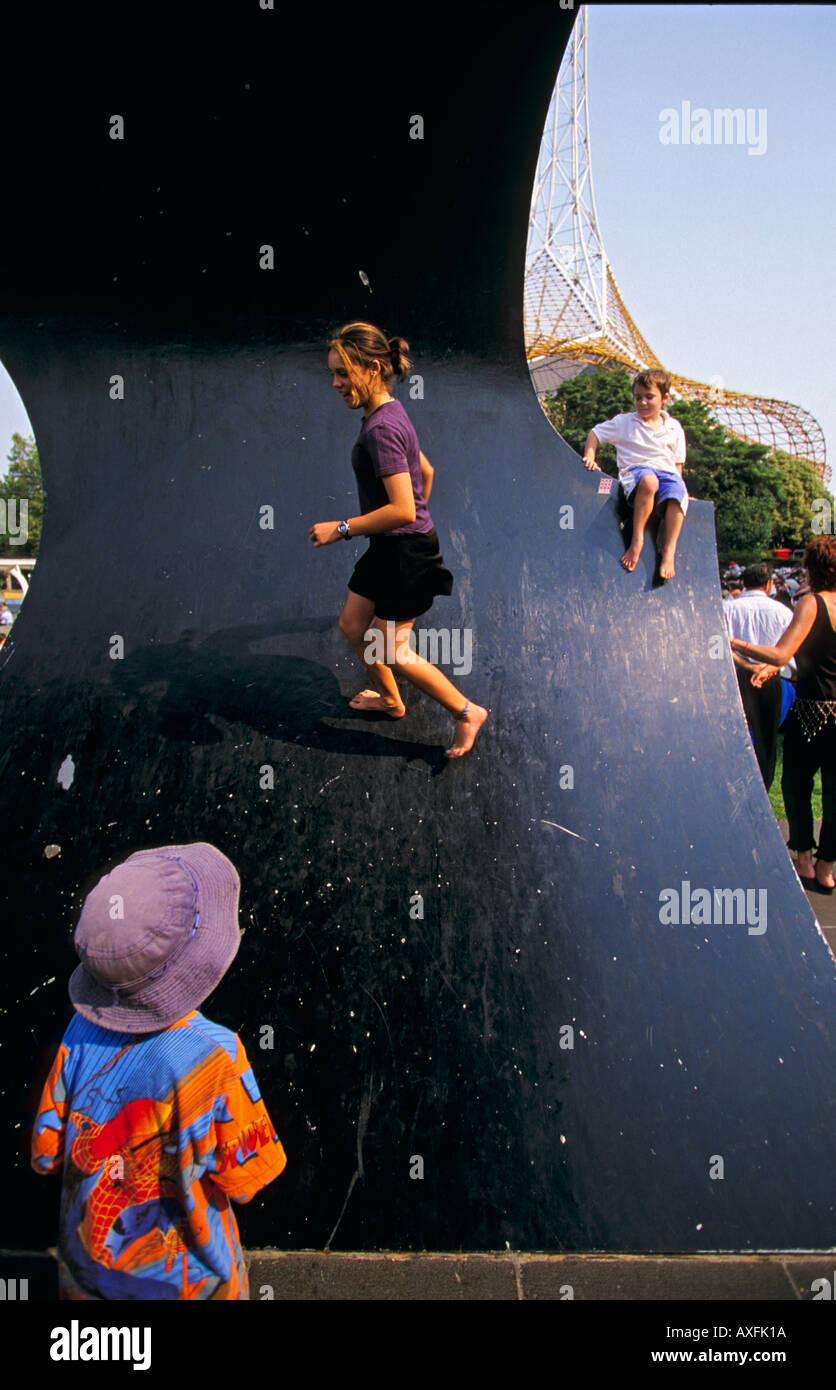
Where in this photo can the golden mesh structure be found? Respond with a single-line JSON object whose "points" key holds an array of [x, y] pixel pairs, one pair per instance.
{"points": [[574, 314]]}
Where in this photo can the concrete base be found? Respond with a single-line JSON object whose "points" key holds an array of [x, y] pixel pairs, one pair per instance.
{"points": [[315, 1277], [528, 1277]]}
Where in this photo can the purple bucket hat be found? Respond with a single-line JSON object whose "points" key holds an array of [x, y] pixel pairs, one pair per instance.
{"points": [[155, 936]]}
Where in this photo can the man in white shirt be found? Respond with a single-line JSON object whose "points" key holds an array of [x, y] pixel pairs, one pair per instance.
{"points": [[757, 618]]}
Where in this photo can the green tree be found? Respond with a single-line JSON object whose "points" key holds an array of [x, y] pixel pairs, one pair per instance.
{"points": [[582, 401], [762, 499], [733, 474], [797, 486], [23, 480]]}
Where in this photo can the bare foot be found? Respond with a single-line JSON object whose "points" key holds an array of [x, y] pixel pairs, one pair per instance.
{"points": [[824, 879], [466, 730], [804, 866], [630, 558], [371, 699], [666, 568]]}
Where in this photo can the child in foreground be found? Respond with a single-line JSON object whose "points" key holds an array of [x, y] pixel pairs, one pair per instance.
{"points": [[151, 1111], [650, 452]]}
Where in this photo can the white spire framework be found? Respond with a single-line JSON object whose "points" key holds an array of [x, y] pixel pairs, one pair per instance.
{"points": [[574, 314]]}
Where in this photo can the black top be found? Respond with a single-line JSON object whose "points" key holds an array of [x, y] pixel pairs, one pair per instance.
{"points": [[816, 658]]}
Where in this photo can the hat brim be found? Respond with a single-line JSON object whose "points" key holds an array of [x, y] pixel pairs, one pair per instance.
{"points": [[191, 978]]}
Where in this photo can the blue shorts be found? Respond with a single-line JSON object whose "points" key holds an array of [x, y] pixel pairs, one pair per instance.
{"points": [[671, 486]]}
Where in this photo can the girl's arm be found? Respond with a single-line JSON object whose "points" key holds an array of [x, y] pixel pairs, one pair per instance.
{"points": [[760, 674], [763, 673], [791, 639], [399, 511], [427, 471]]}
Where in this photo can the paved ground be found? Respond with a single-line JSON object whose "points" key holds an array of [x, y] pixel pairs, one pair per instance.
{"points": [[534, 1277], [314, 1276]]}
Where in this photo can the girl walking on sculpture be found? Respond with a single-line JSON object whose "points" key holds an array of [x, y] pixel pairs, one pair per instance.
{"points": [[402, 571]]}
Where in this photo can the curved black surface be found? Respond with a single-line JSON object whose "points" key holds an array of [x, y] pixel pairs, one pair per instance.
{"points": [[394, 1036]]}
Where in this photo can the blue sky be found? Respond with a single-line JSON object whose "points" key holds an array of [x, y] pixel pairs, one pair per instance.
{"points": [[723, 259], [13, 417]]}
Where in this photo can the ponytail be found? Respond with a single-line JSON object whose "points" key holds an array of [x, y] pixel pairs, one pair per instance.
{"points": [[361, 343]]}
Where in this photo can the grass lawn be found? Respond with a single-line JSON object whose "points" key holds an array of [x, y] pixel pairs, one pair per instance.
{"points": [[775, 790]]}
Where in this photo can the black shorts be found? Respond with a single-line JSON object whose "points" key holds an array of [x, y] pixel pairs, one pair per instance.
{"points": [[401, 575]]}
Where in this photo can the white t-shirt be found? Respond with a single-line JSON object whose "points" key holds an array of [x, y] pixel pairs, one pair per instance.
{"points": [[757, 618], [638, 444]]}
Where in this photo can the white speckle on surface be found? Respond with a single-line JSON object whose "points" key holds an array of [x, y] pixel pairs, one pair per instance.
{"points": [[561, 827], [328, 783], [66, 773]]}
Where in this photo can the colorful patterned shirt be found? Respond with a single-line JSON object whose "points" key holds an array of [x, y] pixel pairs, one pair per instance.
{"points": [[155, 1133]]}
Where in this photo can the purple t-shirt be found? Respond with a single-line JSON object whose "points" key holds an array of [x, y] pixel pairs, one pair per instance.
{"points": [[387, 444]]}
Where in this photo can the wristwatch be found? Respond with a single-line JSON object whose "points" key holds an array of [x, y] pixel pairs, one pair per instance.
{"points": [[344, 530]]}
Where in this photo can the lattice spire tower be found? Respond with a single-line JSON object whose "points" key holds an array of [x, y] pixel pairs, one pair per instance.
{"points": [[574, 314]]}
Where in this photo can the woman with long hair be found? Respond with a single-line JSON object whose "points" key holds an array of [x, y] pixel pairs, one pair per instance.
{"points": [[402, 571], [810, 726]]}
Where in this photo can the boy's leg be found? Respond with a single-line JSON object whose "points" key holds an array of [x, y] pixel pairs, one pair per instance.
{"points": [[644, 498], [674, 517]]}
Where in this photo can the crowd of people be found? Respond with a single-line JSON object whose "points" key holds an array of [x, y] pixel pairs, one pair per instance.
{"points": [[787, 580], [783, 639], [7, 618]]}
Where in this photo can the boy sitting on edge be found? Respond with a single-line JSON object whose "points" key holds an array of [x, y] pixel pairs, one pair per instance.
{"points": [[151, 1112], [650, 451]]}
